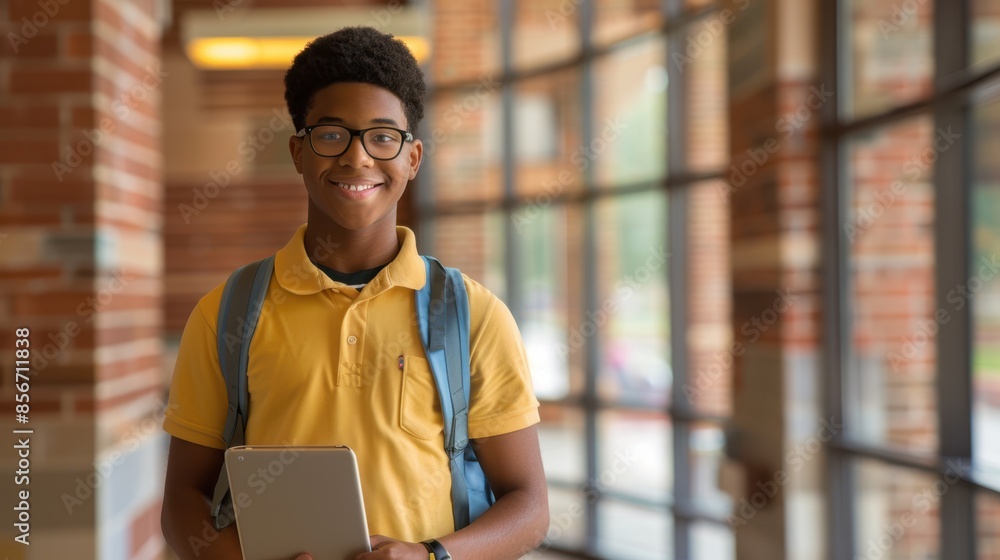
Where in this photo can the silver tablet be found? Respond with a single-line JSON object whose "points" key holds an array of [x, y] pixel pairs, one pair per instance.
{"points": [[290, 500]]}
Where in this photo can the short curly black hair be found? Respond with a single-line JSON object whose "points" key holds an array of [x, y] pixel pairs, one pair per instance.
{"points": [[355, 54]]}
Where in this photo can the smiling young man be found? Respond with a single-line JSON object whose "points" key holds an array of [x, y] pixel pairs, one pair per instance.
{"points": [[337, 358]]}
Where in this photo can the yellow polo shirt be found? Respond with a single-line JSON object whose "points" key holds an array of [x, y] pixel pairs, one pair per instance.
{"points": [[330, 365]]}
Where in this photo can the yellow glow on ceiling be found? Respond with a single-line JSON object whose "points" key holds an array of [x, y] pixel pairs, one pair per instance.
{"points": [[245, 53]]}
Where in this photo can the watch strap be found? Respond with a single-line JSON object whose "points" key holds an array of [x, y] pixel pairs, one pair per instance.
{"points": [[437, 549]]}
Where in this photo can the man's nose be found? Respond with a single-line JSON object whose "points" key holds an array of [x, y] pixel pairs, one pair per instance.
{"points": [[356, 156]]}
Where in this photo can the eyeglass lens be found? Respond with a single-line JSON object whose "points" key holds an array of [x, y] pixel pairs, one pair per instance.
{"points": [[333, 140]]}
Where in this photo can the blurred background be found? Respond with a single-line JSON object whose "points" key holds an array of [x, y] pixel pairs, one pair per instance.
{"points": [[751, 246]]}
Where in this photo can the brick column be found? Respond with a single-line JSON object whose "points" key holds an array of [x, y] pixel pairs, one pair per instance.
{"points": [[81, 266], [774, 104]]}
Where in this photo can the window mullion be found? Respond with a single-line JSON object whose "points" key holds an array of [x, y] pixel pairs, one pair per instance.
{"points": [[677, 270], [952, 247], [591, 296], [840, 485]]}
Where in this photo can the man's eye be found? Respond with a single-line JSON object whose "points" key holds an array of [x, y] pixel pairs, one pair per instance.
{"points": [[329, 136], [384, 138]]}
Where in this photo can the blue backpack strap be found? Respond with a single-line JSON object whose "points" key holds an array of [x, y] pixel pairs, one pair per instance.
{"points": [[442, 307], [479, 495], [239, 310]]}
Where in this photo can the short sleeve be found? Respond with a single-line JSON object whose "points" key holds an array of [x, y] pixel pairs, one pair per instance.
{"points": [[196, 407], [502, 398]]}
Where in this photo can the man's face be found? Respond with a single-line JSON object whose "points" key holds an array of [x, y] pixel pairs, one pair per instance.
{"points": [[328, 179]]}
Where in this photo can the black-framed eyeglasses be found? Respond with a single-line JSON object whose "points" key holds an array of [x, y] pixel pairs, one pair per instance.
{"points": [[332, 140]]}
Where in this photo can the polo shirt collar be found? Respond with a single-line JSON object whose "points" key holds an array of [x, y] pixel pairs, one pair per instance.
{"points": [[297, 274]]}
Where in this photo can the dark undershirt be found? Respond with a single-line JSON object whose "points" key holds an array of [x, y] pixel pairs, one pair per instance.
{"points": [[356, 280]]}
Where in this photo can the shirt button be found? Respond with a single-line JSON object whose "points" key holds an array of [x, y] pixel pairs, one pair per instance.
{"points": [[352, 339]]}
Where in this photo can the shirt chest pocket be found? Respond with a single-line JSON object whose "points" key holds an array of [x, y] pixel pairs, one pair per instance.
{"points": [[419, 408]]}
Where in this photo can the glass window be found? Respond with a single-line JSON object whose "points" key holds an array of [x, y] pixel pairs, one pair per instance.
{"points": [[632, 314], [702, 62], [897, 512], [894, 312], [462, 140], [542, 234], [567, 519], [634, 454], [471, 243], [546, 135], [889, 58], [889, 238], [632, 532], [545, 32], [706, 445], [560, 435], [494, 265], [985, 31], [710, 541], [711, 352], [480, 228], [630, 120], [616, 19], [983, 285], [988, 529]]}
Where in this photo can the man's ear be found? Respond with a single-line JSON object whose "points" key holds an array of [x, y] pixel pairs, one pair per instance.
{"points": [[295, 148], [416, 156]]}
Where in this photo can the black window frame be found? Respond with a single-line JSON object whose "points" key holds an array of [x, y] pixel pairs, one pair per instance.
{"points": [[949, 104], [678, 20]]}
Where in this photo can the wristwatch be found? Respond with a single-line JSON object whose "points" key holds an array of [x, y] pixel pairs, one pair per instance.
{"points": [[436, 550]]}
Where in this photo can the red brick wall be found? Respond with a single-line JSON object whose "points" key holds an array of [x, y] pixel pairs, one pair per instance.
{"points": [[466, 40], [48, 265], [889, 223], [893, 275], [128, 78], [249, 220], [709, 301], [80, 261]]}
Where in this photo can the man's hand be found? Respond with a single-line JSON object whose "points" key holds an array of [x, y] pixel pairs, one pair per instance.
{"points": [[384, 548]]}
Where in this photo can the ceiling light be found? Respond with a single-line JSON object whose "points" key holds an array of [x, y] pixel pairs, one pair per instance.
{"points": [[244, 53], [270, 38]]}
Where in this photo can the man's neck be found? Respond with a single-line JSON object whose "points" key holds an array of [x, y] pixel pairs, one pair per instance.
{"points": [[351, 251]]}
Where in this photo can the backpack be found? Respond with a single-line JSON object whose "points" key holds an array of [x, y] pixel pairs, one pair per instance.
{"points": [[442, 308]]}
